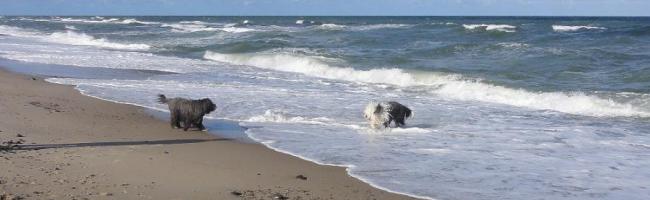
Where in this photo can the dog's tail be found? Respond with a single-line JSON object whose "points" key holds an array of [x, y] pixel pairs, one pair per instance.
{"points": [[162, 99]]}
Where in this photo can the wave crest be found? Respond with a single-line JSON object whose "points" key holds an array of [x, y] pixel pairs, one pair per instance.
{"points": [[314, 66], [491, 27], [448, 86], [74, 38], [196, 26], [562, 28], [70, 37], [360, 27]]}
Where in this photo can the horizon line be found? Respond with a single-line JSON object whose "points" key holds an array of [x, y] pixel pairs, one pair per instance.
{"points": [[550, 16]]}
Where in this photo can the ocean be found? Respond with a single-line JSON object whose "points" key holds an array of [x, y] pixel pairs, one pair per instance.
{"points": [[504, 107]]}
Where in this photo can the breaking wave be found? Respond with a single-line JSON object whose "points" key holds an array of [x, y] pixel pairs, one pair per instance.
{"points": [[449, 86], [71, 37], [189, 27], [102, 20], [361, 27], [14, 31], [314, 66], [197, 27], [70, 27], [74, 38], [562, 28], [491, 27]]}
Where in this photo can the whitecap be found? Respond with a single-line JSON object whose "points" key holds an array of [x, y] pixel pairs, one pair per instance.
{"points": [[183, 27], [562, 28], [361, 27], [491, 27], [74, 38]]}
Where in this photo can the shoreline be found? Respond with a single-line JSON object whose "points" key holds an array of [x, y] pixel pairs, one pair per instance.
{"points": [[78, 146]]}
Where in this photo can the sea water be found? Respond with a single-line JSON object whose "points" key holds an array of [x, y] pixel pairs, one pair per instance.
{"points": [[505, 107]]}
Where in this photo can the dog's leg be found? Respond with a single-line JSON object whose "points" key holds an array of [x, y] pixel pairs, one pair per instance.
{"points": [[173, 120], [199, 124], [187, 123], [178, 121], [399, 121], [387, 124]]}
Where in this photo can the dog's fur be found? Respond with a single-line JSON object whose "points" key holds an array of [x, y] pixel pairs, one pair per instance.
{"points": [[188, 111], [383, 113]]}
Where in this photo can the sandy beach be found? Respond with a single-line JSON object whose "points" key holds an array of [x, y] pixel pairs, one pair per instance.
{"points": [[77, 147]]}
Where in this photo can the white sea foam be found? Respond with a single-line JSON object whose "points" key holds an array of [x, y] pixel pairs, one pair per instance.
{"points": [[331, 26], [361, 27], [70, 37], [74, 38], [193, 22], [237, 29], [574, 103], [491, 27], [313, 66], [443, 23], [14, 31], [230, 25], [409, 130], [379, 26], [135, 21], [102, 20], [435, 151], [70, 27], [300, 21], [92, 20], [197, 26], [562, 28], [181, 27], [95, 20], [513, 44], [279, 116], [450, 86], [33, 19]]}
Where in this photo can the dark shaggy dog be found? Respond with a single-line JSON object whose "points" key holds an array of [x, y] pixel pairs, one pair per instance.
{"points": [[188, 111], [385, 112]]}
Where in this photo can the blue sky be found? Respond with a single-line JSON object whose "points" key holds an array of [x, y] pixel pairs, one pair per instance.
{"points": [[329, 7]]}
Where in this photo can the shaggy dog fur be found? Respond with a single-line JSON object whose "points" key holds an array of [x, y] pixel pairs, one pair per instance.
{"points": [[383, 113], [188, 111]]}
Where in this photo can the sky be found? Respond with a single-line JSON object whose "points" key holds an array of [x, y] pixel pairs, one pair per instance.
{"points": [[329, 7]]}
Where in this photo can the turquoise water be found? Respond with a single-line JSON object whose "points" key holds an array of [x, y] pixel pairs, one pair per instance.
{"points": [[505, 107]]}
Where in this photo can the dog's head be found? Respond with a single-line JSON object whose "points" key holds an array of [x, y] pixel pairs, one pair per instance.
{"points": [[371, 109], [375, 113], [208, 106]]}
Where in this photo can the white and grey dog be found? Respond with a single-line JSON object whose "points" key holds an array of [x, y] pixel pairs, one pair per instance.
{"points": [[383, 113]]}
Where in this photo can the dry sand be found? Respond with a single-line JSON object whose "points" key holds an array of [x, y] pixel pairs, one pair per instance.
{"points": [[78, 147]]}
